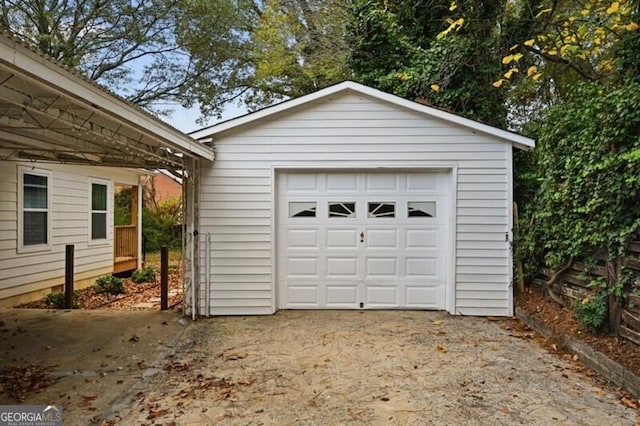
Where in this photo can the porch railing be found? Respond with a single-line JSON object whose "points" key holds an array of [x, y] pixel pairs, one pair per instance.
{"points": [[125, 244]]}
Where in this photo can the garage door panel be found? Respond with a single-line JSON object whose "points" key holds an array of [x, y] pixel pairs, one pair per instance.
{"points": [[341, 183], [422, 267], [303, 267], [382, 182], [342, 296], [422, 297], [381, 267], [303, 295], [342, 238], [302, 183], [382, 296], [381, 238], [302, 238], [422, 238], [341, 267], [422, 183]]}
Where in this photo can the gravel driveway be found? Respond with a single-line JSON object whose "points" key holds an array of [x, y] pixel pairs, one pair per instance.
{"points": [[372, 367]]}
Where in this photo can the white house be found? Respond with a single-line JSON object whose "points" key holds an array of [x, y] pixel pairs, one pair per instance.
{"points": [[44, 207], [66, 147], [351, 198]]}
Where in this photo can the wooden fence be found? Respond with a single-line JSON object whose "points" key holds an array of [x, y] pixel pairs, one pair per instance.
{"points": [[573, 283]]}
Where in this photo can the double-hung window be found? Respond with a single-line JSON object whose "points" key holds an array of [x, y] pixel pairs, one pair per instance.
{"points": [[34, 200], [98, 217]]}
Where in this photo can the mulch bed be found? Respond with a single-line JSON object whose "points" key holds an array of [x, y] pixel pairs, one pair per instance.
{"points": [[134, 294], [562, 322]]}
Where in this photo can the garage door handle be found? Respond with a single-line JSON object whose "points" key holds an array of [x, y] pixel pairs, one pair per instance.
{"points": [[362, 237]]}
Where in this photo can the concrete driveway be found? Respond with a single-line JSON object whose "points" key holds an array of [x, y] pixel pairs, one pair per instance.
{"points": [[297, 367]]}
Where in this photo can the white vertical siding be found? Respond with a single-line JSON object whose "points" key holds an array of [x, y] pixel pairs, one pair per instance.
{"points": [[350, 131], [69, 188]]}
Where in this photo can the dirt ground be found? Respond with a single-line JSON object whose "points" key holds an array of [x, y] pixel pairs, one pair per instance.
{"points": [[82, 360], [372, 367]]}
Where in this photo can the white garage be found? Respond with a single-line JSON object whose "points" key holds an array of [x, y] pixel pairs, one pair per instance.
{"points": [[351, 198]]}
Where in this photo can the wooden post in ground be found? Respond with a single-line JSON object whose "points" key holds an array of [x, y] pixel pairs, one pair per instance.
{"points": [[164, 278], [519, 267], [68, 276]]}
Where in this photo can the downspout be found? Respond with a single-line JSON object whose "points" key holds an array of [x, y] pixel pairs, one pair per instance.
{"points": [[193, 233], [207, 268]]}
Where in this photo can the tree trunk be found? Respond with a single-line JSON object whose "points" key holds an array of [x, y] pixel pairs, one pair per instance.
{"points": [[614, 273]]}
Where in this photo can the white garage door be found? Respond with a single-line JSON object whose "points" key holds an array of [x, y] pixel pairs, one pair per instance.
{"points": [[362, 240]]}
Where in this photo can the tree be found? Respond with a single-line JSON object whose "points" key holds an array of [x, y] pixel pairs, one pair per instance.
{"points": [[282, 49], [397, 48], [129, 47], [568, 42]]}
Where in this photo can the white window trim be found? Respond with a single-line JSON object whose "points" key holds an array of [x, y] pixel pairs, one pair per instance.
{"points": [[21, 248], [101, 241]]}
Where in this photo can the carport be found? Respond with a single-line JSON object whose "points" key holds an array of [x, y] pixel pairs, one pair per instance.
{"points": [[51, 114]]}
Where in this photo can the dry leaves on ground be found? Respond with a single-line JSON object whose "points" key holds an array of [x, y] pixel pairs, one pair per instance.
{"points": [[17, 382]]}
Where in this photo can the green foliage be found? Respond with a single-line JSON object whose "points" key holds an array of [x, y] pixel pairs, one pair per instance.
{"points": [[122, 206], [396, 49], [588, 173], [57, 300], [161, 225], [298, 46], [110, 285], [146, 275], [591, 312]]}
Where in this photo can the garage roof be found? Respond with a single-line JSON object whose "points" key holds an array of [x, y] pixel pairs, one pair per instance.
{"points": [[514, 138], [50, 113]]}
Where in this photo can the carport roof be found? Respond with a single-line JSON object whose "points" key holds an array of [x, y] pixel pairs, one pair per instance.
{"points": [[50, 113]]}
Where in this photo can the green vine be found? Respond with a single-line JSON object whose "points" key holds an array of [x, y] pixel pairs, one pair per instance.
{"points": [[587, 171]]}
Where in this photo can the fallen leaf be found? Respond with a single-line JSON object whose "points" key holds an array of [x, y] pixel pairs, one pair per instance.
{"points": [[235, 356], [631, 403], [442, 349], [505, 410], [134, 338], [436, 322], [156, 413]]}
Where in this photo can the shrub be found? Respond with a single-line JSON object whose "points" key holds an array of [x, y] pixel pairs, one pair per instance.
{"points": [[161, 225], [56, 300], [591, 312], [146, 275], [110, 285]]}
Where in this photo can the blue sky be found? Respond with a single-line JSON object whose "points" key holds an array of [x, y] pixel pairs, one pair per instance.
{"points": [[185, 119]]}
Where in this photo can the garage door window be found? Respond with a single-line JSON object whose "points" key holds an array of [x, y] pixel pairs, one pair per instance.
{"points": [[342, 209], [421, 209], [302, 209], [382, 209]]}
